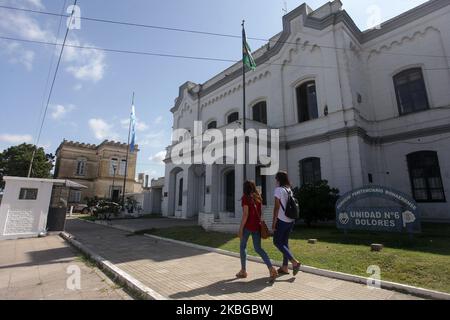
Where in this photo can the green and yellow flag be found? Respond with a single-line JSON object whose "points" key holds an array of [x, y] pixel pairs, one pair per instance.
{"points": [[247, 57]]}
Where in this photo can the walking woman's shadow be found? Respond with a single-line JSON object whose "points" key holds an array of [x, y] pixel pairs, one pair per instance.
{"points": [[230, 286]]}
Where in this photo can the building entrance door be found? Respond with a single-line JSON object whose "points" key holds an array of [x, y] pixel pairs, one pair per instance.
{"points": [[229, 191], [115, 195]]}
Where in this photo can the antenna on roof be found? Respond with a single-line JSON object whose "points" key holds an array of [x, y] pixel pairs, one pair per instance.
{"points": [[285, 9]]}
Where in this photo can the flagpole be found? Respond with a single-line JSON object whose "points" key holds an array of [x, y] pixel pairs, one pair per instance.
{"points": [[243, 102], [126, 161]]}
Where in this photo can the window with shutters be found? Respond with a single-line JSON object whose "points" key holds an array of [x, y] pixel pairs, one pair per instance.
{"points": [[212, 125], [425, 176], [233, 117], [28, 194], [310, 171], [307, 102], [411, 91], [260, 112], [81, 167]]}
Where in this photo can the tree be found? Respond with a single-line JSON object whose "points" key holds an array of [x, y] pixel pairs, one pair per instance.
{"points": [[317, 202], [15, 161]]}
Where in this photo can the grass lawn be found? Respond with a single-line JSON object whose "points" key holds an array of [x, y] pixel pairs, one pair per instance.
{"points": [[423, 261], [86, 217]]}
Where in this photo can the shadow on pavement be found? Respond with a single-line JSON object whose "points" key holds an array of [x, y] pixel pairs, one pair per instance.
{"points": [[44, 257], [228, 287]]}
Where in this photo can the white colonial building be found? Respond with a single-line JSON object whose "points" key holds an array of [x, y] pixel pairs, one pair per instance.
{"points": [[353, 107]]}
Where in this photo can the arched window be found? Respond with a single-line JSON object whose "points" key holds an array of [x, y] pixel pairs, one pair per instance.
{"points": [[425, 176], [123, 166], [307, 101], [260, 112], [114, 167], [233, 117], [212, 125], [310, 171], [410, 90], [81, 167]]}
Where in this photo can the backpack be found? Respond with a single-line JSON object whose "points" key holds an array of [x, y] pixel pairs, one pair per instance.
{"points": [[292, 208]]}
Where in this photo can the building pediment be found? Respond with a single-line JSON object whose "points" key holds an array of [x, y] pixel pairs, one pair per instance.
{"points": [[186, 89]]}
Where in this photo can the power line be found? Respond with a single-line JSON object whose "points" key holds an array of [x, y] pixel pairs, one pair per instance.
{"points": [[146, 53], [140, 25], [50, 69], [119, 51], [51, 91]]}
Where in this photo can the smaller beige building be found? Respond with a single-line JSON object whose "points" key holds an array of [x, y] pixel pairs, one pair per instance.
{"points": [[101, 168]]}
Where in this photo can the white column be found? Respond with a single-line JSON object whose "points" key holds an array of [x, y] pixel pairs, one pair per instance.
{"points": [[186, 194], [239, 182], [211, 189]]}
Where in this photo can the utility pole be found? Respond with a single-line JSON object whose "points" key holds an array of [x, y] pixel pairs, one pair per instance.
{"points": [[126, 161]]}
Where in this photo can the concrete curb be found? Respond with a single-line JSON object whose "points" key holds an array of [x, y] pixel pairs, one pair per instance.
{"points": [[419, 292], [119, 275]]}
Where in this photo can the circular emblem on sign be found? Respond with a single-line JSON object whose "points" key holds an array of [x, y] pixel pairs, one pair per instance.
{"points": [[343, 218], [408, 217]]}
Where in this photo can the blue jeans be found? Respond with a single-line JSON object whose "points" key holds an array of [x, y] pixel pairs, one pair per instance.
{"points": [[281, 240], [256, 237]]}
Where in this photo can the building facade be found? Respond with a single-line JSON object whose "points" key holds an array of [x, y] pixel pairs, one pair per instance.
{"points": [[353, 107], [101, 168]]}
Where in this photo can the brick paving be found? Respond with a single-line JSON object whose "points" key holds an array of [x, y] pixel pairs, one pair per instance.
{"points": [[136, 225], [36, 269], [181, 272]]}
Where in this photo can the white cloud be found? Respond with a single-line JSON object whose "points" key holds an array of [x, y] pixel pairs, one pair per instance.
{"points": [[45, 146], [18, 54], [84, 64], [78, 87], [140, 125], [24, 26], [16, 138], [102, 130], [36, 3], [156, 139], [60, 111], [159, 157], [158, 120]]}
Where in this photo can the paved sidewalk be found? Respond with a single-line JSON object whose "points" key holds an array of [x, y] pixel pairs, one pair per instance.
{"points": [[181, 272], [136, 225], [36, 269]]}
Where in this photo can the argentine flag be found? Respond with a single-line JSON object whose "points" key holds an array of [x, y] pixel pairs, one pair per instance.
{"points": [[133, 128]]}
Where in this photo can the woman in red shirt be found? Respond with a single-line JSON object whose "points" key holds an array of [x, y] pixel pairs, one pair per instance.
{"points": [[251, 225]]}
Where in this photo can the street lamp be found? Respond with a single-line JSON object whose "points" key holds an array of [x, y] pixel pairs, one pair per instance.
{"points": [[114, 178]]}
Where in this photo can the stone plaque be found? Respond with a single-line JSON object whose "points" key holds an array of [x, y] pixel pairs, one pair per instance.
{"points": [[19, 222]]}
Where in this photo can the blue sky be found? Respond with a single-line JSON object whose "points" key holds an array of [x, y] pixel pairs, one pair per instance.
{"points": [[92, 95]]}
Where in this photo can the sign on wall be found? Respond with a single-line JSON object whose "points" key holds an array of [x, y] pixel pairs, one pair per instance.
{"points": [[377, 208]]}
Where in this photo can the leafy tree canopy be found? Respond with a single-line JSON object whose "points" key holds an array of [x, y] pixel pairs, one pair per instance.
{"points": [[317, 201], [15, 161]]}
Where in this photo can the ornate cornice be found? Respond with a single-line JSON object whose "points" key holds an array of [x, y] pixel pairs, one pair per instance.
{"points": [[318, 24]]}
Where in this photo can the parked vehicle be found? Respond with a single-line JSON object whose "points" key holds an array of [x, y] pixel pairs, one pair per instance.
{"points": [[80, 208]]}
